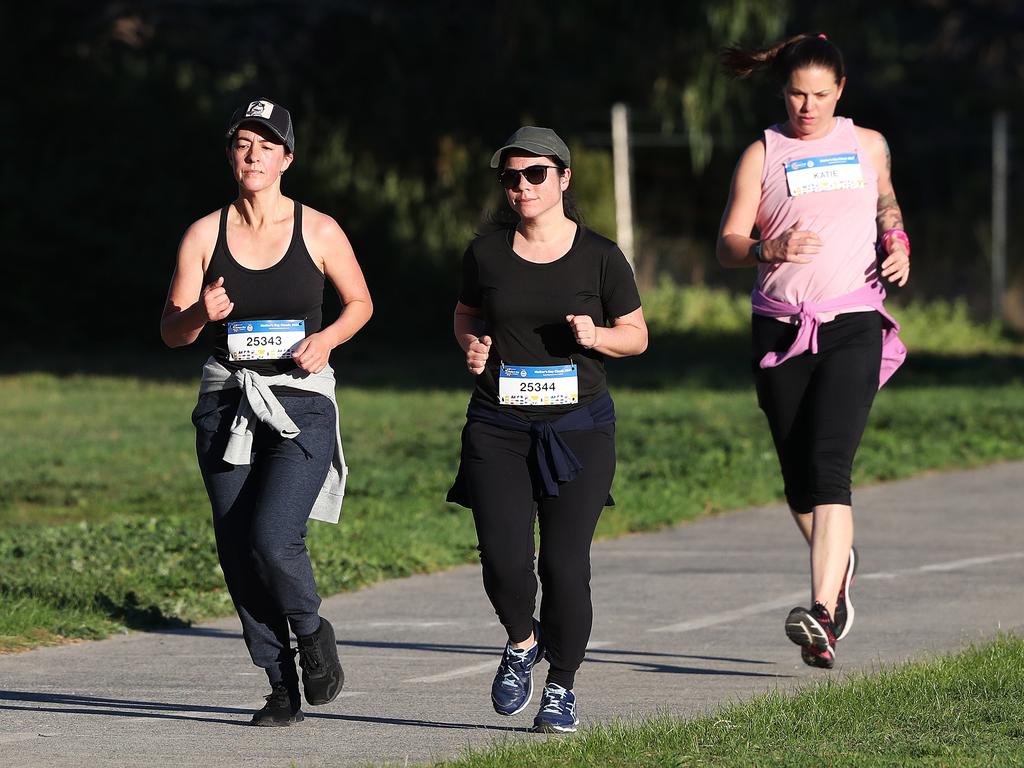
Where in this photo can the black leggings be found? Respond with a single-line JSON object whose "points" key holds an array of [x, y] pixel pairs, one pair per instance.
{"points": [[499, 485], [818, 405]]}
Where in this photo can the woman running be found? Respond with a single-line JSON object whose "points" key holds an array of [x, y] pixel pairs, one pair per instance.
{"points": [[543, 303], [266, 421], [808, 203]]}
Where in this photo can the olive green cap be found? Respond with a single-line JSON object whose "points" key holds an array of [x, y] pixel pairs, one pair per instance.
{"points": [[539, 141]]}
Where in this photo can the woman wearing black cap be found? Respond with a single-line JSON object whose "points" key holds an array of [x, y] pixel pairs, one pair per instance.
{"points": [[266, 422], [542, 304]]}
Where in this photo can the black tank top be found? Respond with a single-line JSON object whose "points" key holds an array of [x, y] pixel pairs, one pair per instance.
{"points": [[291, 289]]}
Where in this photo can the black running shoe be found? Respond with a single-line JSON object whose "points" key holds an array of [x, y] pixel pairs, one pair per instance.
{"points": [[812, 631], [282, 707], [322, 675], [844, 605]]}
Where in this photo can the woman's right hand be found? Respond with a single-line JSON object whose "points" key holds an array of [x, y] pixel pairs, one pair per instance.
{"points": [[215, 302], [477, 353], [795, 245]]}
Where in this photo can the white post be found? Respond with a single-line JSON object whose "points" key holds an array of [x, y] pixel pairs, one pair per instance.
{"points": [[623, 181], [1000, 173]]}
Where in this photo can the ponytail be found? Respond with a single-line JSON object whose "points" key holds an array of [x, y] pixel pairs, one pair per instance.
{"points": [[779, 60]]}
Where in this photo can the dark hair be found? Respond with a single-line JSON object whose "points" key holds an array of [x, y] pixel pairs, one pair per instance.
{"points": [[506, 218], [780, 60]]}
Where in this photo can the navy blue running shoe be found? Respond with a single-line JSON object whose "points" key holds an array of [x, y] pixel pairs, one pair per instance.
{"points": [[512, 688], [557, 711]]}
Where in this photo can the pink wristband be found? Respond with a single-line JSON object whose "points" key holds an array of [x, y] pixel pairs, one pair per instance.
{"points": [[899, 234]]}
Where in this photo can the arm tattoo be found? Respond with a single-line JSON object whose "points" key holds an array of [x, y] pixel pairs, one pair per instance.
{"points": [[889, 214]]}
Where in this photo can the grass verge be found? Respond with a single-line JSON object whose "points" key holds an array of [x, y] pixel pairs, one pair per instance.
{"points": [[965, 709], [104, 522]]}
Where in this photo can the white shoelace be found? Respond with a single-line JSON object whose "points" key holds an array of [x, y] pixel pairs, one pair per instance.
{"points": [[511, 679], [554, 695]]}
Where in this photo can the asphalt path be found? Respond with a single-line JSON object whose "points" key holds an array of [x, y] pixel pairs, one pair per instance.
{"points": [[685, 619]]}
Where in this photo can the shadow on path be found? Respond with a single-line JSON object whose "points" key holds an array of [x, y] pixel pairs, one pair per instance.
{"points": [[594, 656], [73, 704]]}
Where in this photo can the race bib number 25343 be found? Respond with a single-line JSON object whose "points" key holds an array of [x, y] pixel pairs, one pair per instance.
{"points": [[264, 339]]}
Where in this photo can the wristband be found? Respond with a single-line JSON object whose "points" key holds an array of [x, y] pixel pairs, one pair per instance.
{"points": [[897, 233], [759, 252]]}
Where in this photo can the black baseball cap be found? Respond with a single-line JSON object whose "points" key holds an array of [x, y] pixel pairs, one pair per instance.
{"points": [[265, 112], [539, 141]]}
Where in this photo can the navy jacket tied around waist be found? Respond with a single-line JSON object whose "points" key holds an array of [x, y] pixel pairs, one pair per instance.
{"points": [[552, 459]]}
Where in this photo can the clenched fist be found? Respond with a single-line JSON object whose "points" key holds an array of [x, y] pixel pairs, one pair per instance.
{"points": [[583, 330], [477, 353], [215, 302]]}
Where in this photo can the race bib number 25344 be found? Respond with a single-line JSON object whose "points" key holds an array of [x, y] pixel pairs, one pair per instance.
{"points": [[538, 385]]}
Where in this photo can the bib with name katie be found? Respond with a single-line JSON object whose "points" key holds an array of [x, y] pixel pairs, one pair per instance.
{"points": [[538, 385], [824, 174], [264, 339]]}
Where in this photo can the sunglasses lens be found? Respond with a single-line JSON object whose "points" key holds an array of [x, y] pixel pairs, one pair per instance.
{"points": [[535, 174]]}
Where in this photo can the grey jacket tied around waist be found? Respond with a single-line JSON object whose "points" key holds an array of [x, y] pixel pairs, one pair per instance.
{"points": [[259, 404]]}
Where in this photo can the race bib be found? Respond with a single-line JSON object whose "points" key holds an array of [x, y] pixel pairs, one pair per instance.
{"points": [[538, 385], [264, 339], [824, 174]]}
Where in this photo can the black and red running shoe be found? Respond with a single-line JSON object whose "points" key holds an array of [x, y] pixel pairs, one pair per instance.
{"points": [[844, 605], [812, 631]]}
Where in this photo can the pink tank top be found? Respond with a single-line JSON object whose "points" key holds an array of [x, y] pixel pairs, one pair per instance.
{"points": [[843, 218]]}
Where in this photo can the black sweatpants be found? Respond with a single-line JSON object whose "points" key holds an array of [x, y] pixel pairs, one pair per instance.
{"points": [[818, 405], [495, 463]]}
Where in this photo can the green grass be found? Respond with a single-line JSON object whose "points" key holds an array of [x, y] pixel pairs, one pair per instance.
{"points": [[961, 710], [936, 326], [104, 522]]}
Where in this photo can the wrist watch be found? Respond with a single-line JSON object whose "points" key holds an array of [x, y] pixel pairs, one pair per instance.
{"points": [[759, 252]]}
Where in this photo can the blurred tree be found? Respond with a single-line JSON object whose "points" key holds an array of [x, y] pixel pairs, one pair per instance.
{"points": [[697, 95], [115, 130]]}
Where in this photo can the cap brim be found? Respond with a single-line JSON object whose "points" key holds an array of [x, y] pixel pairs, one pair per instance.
{"points": [[527, 146], [262, 121]]}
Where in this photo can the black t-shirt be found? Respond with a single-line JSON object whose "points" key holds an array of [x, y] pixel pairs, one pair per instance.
{"points": [[524, 305]]}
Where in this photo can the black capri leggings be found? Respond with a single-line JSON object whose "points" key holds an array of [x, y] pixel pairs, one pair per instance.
{"points": [[497, 473], [818, 405]]}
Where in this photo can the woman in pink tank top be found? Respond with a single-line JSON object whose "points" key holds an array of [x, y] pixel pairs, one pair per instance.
{"points": [[809, 202]]}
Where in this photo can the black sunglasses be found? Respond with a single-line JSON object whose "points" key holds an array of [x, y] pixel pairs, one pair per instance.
{"points": [[535, 174]]}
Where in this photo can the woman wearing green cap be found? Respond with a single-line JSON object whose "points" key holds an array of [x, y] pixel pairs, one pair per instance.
{"points": [[266, 422], [543, 303]]}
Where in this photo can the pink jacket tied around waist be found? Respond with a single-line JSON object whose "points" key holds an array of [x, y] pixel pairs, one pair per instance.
{"points": [[893, 350]]}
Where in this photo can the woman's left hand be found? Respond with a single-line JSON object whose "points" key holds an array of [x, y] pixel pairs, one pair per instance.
{"points": [[896, 267], [583, 330], [312, 353]]}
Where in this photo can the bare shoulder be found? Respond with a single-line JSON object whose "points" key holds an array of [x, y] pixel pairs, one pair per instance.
{"points": [[754, 153], [877, 149], [750, 165], [325, 240], [871, 140], [317, 226], [200, 238]]}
